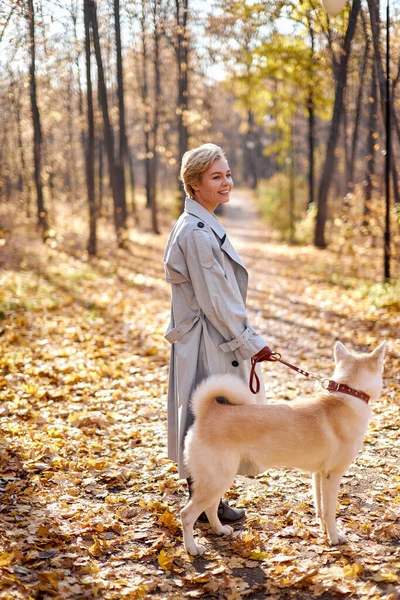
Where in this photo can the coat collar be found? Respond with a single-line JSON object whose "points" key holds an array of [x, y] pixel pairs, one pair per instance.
{"points": [[196, 209]]}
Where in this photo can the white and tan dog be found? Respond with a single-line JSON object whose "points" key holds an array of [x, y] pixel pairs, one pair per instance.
{"points": [[322, 435]]}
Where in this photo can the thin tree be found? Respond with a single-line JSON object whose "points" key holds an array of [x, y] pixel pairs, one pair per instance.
{"points": [[395, 120], [37, 128], [371, 149], [182, 59], [156, 114], [144, 89], [124, 163], [77, 62], [123, 146], [119, 209], [373, 6], [328, 168], [311, 115], [24, 179], [360, 97], [89, 153]]}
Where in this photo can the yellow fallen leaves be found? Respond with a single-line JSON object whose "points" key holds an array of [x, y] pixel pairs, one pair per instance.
{"points": [[99, 547], [170, 521], [90, 504], [165, 560], [6, 559], [386, 577], [139, 592], [259, 555], [354, 570]]}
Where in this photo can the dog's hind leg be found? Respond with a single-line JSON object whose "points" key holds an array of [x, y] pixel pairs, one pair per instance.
{"points": [[330, 490], [317, 496], [196, 505], [216, 525]]}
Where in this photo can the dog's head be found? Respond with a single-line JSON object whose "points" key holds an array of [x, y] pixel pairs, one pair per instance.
{"points": [[360, 371]]}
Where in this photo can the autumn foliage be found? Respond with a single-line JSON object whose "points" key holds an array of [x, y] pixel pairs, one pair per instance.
{"points": [[89, 502]]}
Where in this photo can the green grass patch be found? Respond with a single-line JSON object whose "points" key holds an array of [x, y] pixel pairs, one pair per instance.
{"points": [[382, 295], [274, 205]]}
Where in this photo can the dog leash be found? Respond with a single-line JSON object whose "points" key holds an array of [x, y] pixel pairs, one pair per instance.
{"points": [[328, 384]]}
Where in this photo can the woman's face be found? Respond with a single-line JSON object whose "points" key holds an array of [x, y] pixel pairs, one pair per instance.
{"points": [[215, 186]]}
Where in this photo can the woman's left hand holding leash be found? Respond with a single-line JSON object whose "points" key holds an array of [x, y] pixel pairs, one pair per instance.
{"points": [[265, 354]]}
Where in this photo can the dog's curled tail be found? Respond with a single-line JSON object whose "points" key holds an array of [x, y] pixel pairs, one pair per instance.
{"points": [[221, 389]]}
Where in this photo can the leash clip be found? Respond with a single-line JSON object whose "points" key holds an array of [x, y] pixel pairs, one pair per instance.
{"points": [[330, 385]]}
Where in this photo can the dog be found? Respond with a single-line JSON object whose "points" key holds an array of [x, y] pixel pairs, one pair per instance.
{"points": [[321, 435]]}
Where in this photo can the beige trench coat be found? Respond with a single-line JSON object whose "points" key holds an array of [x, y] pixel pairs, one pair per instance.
{"points": [[209, 329]]}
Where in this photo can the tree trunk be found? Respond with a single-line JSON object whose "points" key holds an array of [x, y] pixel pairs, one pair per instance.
{"points": [[311, 153], [25, 186], [345, 130], [100, 149], [396, 122], [371, 152], [157, 98], [37, 129], [108, 131], [121, 107], [360, 95], [292, 194], [146, 106], [92, 242], [182, 57], [74, 17], [311, 119], [251, 157], [329, 164], [373, 6], [132, 182]]}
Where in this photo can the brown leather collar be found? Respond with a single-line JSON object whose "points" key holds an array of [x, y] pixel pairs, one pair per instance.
{"points": [[343, 388]]}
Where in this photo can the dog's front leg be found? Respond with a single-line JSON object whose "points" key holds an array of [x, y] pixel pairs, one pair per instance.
{"points": [[317, 496], [189, 515], [330, 490]]}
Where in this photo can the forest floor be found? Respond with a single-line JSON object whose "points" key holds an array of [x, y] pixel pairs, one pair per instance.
{"points": [[89, 502]]}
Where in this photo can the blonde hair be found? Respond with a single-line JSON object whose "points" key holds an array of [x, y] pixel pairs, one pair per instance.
{"points": [[196, 162]]}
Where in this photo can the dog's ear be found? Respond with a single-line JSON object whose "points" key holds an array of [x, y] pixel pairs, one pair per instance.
{"points": [[379, 353], [340, 352]]}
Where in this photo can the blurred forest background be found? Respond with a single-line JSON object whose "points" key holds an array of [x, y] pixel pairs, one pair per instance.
{"points": [[98, 102], [100, 99]]}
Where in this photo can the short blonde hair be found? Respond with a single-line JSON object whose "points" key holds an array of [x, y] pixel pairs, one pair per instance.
{"points": [[196, 162]]}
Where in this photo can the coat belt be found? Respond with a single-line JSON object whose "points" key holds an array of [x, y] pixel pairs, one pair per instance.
{"points": [[180, 330]]}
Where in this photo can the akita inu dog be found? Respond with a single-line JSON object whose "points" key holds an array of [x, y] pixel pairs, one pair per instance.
{"points": [[322, 435]]}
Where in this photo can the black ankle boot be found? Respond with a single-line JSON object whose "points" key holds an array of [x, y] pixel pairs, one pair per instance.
{"points": [[226, 514]]}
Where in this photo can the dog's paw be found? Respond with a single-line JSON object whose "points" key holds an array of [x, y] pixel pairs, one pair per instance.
{"points": [[337, 540], [226, 530], [195, 549]]}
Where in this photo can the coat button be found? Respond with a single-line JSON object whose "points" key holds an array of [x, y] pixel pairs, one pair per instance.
{"points": [[200, 224], [235, 363]]}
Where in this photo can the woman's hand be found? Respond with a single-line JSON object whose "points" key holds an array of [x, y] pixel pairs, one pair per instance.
{"points": [[264, 354]]}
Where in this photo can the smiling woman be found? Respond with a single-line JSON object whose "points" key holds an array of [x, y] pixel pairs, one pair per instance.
{"points": [[215, 185], [209, 329]]}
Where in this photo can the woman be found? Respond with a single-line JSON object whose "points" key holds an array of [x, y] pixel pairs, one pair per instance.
{"points": [[209, 329]]}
